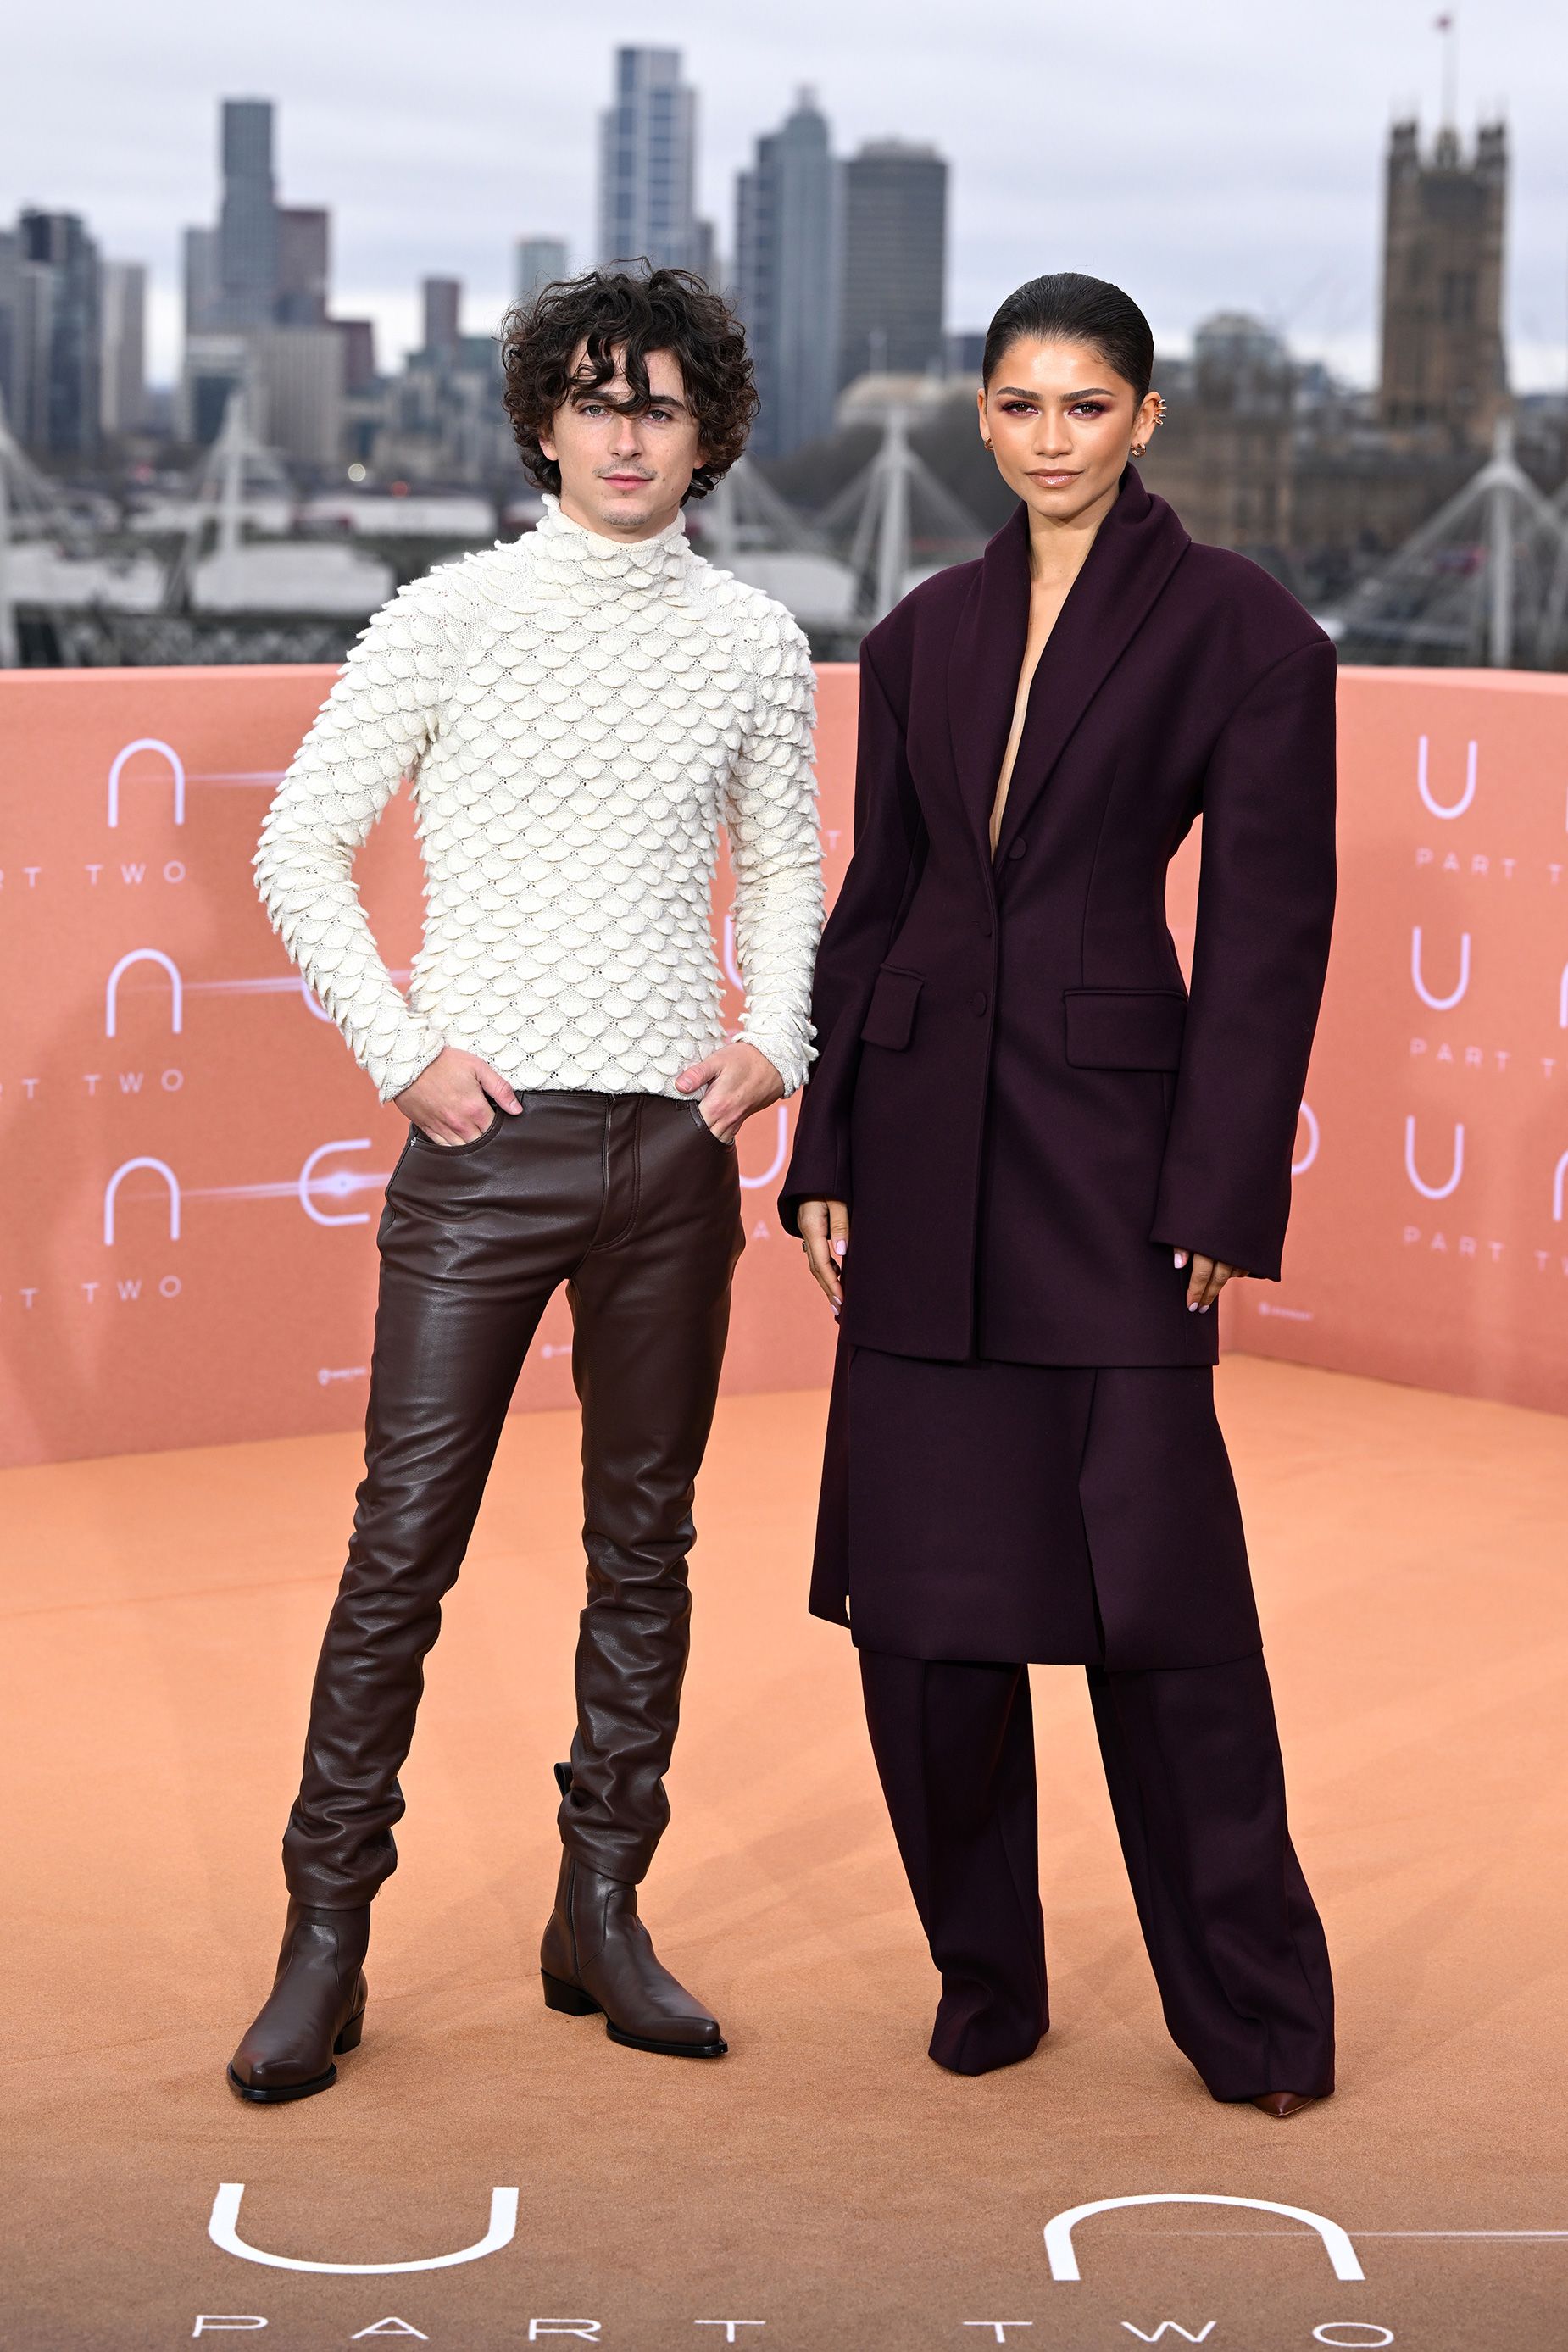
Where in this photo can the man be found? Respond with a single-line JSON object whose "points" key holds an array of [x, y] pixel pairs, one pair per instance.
{"points": [[580, 711]]}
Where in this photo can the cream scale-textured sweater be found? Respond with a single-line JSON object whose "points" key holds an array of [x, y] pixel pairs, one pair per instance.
{"points": [[579, 715]]}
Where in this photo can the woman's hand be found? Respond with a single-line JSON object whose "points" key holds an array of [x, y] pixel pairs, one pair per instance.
{"points": [[825, 1230], [1208, 1278]]}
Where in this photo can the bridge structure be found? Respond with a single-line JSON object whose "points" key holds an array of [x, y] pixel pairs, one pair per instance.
{"points": [[1483, 585]]}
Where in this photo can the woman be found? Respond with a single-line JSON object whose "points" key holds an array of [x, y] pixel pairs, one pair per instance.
{"points": [[1052, 1161]]}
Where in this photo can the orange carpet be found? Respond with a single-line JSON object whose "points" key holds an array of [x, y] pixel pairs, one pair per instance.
{"points": [[826, 2183]]}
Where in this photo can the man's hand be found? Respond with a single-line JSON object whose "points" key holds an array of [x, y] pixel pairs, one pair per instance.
{"points": [[825, 1230], [1208, 1278], [739, 1081], [450, 1101]]}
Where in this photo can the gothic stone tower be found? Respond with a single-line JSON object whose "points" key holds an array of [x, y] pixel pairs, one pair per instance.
{"points": [[1444, 372]]}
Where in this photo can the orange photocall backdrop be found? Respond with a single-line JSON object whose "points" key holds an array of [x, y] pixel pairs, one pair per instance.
{"points": [[193, 1164]]}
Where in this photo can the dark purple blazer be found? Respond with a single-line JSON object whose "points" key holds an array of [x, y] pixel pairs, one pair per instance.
{"points": [[1013, 1090]]}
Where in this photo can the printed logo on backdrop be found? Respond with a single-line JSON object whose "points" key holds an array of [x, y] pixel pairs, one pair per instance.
{"points": [[1440, 1003], [175, 771], [1423, 783], [309, 1189]]}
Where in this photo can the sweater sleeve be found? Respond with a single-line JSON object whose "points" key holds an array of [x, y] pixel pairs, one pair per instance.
{"points": [[770, 813], [370, 733]]}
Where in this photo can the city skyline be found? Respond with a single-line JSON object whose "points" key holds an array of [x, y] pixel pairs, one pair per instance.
{"points": [[1181, 182]]}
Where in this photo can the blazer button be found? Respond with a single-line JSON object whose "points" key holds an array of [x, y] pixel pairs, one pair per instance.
{"points": [[981, 1000], [1017, 849]]}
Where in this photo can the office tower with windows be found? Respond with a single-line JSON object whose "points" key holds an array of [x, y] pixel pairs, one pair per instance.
{"points": [[788, 250], [358, 338], [442, 299], [305, 266], [895, 261], [123, 359], [199, 271], [26, 305], [248, 220], [61, 278], [648, 164], [538, 261]]}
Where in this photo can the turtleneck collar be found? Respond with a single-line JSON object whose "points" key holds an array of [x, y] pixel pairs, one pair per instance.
{"points": [[593, 566]]}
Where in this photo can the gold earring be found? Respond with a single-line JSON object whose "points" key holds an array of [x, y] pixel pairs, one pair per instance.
{"points": [[1138, 447]]}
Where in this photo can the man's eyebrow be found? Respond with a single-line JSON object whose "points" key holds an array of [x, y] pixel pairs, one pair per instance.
{"points": [[603, 392]]}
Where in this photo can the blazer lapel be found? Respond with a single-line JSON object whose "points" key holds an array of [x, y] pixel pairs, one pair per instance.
{"points": [[982, 668], [1137, 548]]}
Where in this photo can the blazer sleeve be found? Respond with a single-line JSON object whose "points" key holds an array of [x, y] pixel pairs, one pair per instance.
{"points": [[889, 834], [1266, 904]]}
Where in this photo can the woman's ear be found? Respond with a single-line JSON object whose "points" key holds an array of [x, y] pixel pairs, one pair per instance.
{"points": [[980, 417]]}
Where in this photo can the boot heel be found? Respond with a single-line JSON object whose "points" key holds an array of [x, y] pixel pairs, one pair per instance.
{"points": [[349, 2039], [570, 1999]]}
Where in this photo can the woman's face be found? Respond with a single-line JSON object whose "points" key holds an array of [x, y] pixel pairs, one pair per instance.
{"points": [[1060, 422]]}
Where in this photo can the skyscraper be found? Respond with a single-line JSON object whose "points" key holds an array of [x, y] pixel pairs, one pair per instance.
{"points": [[895, 261], [247, 219], [647, 163], [67, 286], [305, 266], [358, 338], [201, 282], [788, 225], [122, 389], [443, 301], [539, 260], [1444, 368], [26, 309]]}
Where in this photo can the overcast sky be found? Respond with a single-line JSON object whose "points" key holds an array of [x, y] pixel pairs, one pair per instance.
{"points": [[1204, 153]]}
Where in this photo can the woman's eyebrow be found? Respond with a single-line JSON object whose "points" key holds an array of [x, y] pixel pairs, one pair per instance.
{"points": [[1017, 392]]}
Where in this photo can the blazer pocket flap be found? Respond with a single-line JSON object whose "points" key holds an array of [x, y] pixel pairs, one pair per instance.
{"points": [[1125, 1028], [890, 1015]]}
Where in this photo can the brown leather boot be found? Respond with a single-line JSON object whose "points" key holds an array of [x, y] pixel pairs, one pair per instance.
{"points": [[598, 1956], [315, 2010]]}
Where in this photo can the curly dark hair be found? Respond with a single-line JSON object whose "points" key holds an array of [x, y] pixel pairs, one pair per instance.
{"points": [[621, 315]]}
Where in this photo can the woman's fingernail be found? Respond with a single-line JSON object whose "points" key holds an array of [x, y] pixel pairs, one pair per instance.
{"points": [[838, 1249], [1179, 1257], [1192, 1307]]}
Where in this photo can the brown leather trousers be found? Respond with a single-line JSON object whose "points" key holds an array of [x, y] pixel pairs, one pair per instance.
{"points": [[634, 1203]]}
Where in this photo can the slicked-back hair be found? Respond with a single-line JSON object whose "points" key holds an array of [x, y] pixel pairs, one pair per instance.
{"points": [[621, 315], [1069, 308]]}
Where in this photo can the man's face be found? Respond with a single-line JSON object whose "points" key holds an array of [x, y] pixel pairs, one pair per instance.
{"points": [[621, 475]]}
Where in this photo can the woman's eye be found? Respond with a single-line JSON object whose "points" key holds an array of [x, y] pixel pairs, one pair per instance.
{"points": [[1016, 408], [1089, 408]]}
